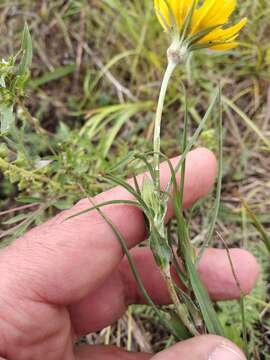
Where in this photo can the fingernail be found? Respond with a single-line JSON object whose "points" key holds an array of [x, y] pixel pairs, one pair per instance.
{"points": [[225, 351]]}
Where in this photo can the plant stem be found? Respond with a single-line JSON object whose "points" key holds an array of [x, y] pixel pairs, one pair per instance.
{"points": [[5, 165], [168, 73], [181, 310], [183, 166]]}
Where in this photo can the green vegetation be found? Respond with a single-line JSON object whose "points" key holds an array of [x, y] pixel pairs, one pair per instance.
{"points": [[90, 100]]}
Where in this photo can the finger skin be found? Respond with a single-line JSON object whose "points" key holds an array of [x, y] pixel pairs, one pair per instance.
{"points": [[61, 262], [110, 301], [108, 353], [206, 347], [216, 272], [202, 348]]}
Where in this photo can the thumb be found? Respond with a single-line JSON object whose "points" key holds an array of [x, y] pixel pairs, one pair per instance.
{"points": [[207, 347]]}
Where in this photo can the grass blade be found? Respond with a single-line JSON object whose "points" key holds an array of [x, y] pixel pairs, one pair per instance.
{"points": [[242, 297], [247, 120], [208, 312], [106, 203], [27, 51], [129, 188], [195, 135], [219, 183], [257, 224]]}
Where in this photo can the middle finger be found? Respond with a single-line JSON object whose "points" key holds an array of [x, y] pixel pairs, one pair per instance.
{"points": [[111, 299]]}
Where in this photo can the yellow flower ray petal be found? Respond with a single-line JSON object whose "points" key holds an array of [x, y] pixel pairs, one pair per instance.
{"points": [[184, 7], [201, 13], [162, 13], [225, 46], [211, 13], [178, 8], [224, 34]]}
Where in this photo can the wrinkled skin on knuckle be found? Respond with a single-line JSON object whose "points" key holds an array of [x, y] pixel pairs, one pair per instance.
{"points": [[29, 327]]}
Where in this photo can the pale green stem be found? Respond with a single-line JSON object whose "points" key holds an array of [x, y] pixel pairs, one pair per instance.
{"points": [[173, 59], [170, 68], [181, 310]]}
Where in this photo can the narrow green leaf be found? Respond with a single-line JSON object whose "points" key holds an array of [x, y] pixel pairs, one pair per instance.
{"points": [[6, 118], [15, 219], [123, 162], [115, 180], [185, 135], [52, 76], [241, 301], [208, 312], [249, 123], [219, 181], [27, 51], [22, 229], [99, 206], [111, 63], [29, 199], [195, 135], [257, 224], [149, 167], [183, 237], [178, 270], [63, 204], [121, 119]]}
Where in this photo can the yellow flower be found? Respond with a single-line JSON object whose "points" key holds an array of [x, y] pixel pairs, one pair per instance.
{"points": [[201, 26]]}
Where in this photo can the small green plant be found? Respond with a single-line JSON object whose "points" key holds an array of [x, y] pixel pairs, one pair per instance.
{"points": [[46, 167], [14, 75]]}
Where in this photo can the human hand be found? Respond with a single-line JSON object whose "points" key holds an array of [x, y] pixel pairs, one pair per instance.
{"points": [[67, 278]]}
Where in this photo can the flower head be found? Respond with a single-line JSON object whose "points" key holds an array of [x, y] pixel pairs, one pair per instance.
{"points": [[200, 25]]}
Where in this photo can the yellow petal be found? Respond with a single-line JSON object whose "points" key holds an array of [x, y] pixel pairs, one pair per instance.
{"points": [[212, 13], [184, 7], [225, 46], [224, 34], [178, 9], [162, 13]]}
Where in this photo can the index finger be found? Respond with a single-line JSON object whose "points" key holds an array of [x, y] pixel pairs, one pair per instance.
{"points": [[64, 261]]}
